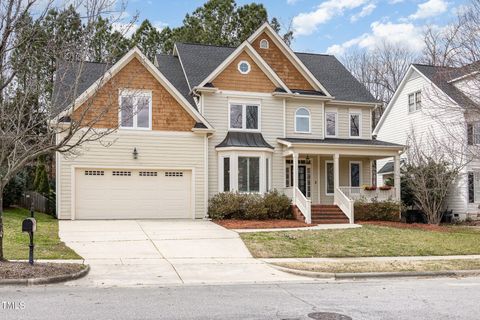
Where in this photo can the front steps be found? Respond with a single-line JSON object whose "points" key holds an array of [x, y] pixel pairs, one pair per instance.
{"points": [[327, 214]]}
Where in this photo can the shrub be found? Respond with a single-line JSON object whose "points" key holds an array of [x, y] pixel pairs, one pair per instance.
{"points": [[278, 205], [234, 205], [388, 210], [226, 205], [13, 191]]}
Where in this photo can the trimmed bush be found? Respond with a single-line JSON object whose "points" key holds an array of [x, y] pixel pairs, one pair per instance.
{"points": [[245, 206], [388, 210]]}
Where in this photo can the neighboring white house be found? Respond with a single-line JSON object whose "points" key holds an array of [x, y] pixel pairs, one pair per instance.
{"points": [[431, 103]]}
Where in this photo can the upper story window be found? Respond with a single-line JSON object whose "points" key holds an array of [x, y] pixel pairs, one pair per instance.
{"points": [[302, 120], [473, 133], [135, 110], [264, 44], [244, 117], [244, 67], [414, 101], [331, 124], [355, 124]]}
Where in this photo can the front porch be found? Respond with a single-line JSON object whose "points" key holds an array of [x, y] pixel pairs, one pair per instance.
{"points": [[320, 177]]}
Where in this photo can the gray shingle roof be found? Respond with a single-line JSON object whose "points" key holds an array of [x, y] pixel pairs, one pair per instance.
{"points": [[363, 142], [171, 68], [387, 168], [338, 81], [200, 60], [244, 139], [440, 77], [72, 79]]}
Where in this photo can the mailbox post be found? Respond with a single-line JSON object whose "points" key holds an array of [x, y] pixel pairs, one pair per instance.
{"points": [[30, 225]]}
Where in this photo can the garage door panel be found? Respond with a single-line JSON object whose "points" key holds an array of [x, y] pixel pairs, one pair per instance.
{"points": [[132, 194]]}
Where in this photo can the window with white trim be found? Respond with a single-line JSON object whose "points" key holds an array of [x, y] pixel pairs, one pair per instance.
{"points": [[330, 124], [135, 110], [355, 124], [244, 67], [329, 178], [473, 187], [414, 101], [264, 44], [244, 171], [244, 117], [248, 174], [355, 174], [302, 120], [226, 174]]}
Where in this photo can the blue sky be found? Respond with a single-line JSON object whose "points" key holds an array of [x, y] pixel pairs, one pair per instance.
{"points": [[332, 26]]}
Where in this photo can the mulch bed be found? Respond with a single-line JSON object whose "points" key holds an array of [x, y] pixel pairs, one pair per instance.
{"points": [[22, 270], [421, 226], [261, 224]]}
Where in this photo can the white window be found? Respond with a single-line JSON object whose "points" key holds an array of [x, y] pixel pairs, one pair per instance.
{"points": [[355, 124], [302, 120], [244, 117], [331, 124], [355, 174], [226, 174], [329, 178], [415, 101], [244, 67], [135, 110], [264, 44]]}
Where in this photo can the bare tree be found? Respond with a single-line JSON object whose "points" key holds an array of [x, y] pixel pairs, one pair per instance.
{"points": [[31, 123], [441, 45], [380, 70]]}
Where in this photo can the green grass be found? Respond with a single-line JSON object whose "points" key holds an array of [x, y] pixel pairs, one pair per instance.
{"points": [[368, 241], [47, 242]]}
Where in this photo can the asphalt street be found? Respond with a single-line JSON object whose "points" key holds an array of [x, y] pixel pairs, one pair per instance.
{"points": [[441, 298]]}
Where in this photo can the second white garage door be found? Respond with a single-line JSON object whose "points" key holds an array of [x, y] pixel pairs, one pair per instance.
{"points": [[132, 194]]}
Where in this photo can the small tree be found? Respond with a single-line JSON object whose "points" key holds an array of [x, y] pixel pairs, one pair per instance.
{"points": [[430, 171]]}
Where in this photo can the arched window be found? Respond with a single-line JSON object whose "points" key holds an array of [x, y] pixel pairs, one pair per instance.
{"points": [[302, 120], [264, 44]]}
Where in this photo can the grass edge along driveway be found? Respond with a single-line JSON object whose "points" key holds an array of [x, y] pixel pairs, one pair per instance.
{"points": [[368, 241], [46, 239]]}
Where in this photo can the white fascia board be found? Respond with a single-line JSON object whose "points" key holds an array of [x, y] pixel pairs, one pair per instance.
{"points": [[290, 55], [255, 56]]}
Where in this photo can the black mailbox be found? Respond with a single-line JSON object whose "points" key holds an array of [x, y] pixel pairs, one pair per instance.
{"points": [[29, 225]]}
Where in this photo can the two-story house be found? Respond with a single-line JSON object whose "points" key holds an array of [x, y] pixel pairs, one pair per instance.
{"points": [[432, 104], [211, 119]]}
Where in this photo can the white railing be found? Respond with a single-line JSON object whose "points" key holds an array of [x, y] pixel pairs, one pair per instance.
{"points": [[359, 193], [344, 203], [304, 205]]}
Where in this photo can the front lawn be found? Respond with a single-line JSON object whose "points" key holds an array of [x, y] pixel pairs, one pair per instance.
{"points": [[47, 242], [368, 241]]}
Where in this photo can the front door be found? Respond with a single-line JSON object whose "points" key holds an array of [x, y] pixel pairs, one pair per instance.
{"points": [[302, 179]]}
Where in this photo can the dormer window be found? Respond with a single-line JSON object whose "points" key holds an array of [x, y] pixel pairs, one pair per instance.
{"points": [[264, 44], [244, 117], [244, 67]]}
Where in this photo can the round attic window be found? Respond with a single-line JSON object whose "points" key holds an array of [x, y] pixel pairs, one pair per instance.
{"points": [[244, 67]]}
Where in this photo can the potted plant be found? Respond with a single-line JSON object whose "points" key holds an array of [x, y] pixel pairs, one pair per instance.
{"points": [[369, 188], [385, 188]]}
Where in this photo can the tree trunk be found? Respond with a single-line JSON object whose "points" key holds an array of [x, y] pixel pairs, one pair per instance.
{"points": [[1, 224]]}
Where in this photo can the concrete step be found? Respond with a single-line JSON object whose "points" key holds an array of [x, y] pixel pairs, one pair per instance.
{"points": [[330, 221]]}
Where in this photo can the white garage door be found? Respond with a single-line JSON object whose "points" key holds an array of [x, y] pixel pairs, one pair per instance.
{"points": [[132, 194]]}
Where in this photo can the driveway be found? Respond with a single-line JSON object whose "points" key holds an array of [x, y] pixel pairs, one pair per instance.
{"points": [[159, 252]]}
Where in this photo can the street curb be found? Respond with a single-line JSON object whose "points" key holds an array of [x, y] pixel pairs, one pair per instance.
{"points": [[378, 275], [47, 280]]}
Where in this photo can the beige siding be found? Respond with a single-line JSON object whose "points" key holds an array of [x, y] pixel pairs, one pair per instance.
{"points": [[316, 118], [168, 150], [216, 111]]}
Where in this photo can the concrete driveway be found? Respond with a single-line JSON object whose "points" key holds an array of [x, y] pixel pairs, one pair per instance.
{"points": [[159, 252]]}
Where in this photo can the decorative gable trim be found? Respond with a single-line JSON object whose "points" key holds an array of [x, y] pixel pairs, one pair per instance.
{"points": [[287, 51], [247, 47], [119, 65]]}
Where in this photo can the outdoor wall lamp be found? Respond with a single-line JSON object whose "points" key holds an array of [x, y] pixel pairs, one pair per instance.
{"points": [[135, 154]]}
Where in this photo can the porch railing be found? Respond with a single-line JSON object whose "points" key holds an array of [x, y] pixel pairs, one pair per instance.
{"points": [[359, 193], [304, 205], [345, 204]]}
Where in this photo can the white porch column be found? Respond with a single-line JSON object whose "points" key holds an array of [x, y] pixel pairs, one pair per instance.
{"points": [[336, 175], [396, 176], [295, 175]]}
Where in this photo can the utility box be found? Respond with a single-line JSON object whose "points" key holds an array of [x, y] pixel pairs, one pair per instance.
{"points": [[29, 225]]}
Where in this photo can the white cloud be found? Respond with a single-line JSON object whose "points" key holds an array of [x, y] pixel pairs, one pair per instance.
{"points": [[429, 9], [395, 1], [366, 10], [406, 34], [292, 1], [307, 23]]}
